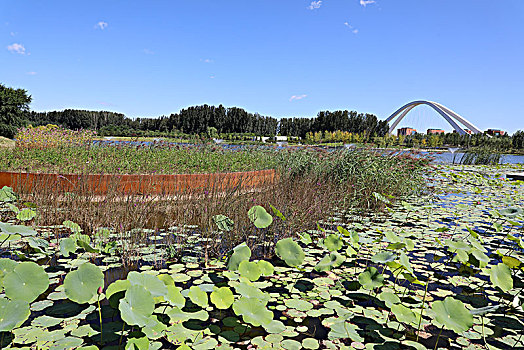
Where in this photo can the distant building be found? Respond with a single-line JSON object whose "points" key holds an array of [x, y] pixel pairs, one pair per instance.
{"points": [[406, 131], [435, 131], [495, 132], [468, 131]]}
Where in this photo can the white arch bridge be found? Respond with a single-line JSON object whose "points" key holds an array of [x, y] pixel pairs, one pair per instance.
{"points": [[451, 117]]}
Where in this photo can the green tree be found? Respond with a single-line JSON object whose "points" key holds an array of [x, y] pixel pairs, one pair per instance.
{"points": [[14, 106]]}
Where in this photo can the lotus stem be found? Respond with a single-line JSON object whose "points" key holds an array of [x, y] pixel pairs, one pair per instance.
{"points": [[422, 309], [438, 337], [100, 318]]}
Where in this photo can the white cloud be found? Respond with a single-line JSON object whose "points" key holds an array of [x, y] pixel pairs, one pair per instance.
{"points": [[353, 29], [12, 33], [149, 52], [212, 77], [101, 25], [16, 48], [207, 60], [367, 2], [297, 97], [315, 5], [31, 73]]}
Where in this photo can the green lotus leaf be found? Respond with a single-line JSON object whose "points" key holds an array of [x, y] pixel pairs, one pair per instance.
{"points": [[154, 329], [253, 311], [333, 243], [223, 222], [370, 278], [150, 282], [500, 276], [259, 216], [289, 251], [198, 296], [298, 304], [45, 321], [389, 298], [117, 286], [305, 238], [67, 246], [404, 261], [383, 257], [137, 344], [310, 343], [17, 230], [240, 253], [176, 315], [331, 260], [38, 244], [485, 310], [249, 270], [73, 226], [275, 326], [82, 284], [222, 297], [344, 329], [7, 194], [482, 258], [26, 282], [403, 314], [137, 306], [6, 266], [12, 314], [266, 268], [174, 297], [511, 262], [250, 291], [511, 212], [452, 314], [290, 344], [26, 214], [206, 343]]}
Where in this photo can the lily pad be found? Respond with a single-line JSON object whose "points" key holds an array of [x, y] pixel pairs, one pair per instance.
{"points": [[82, 284], [289, 251], [452, 314], [26, 282]]}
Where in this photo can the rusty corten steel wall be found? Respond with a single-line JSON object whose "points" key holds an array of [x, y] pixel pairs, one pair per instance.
{"points": [[134, 184]]}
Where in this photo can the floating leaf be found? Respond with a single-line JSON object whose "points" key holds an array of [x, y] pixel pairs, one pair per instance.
{"points": [[16, 230], [12, 314], [403, 314], [7, 194], [452, 314], [67, 246], [383, 257], [222, 297], [26, 214], [198, 296], [26, 282], [329, 261], [253, 311], [344, 329], [333, 242], [511, 262], [174, 297], [176, 315], [82, 284], [150, 282], [289, 251], [298, 304], [266, 268]]}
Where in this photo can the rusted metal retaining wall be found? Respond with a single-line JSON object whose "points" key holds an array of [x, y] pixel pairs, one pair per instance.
{"points": [[137, 184]]}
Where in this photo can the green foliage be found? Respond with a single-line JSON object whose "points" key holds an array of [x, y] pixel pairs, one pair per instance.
{"points": [[452, 314], [289, 251], [12, 314], [14, 107], [222, 297], [82, 284], [260, 217], [371, 278], [240, 253], [26, 282]]}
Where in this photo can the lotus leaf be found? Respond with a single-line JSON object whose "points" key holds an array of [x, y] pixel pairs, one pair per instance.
{"points": [[253, 311], [16, 230], [482, 258], [26, 282], [176, 315], [137, 306], [259, 216], [250, 291], [150, 282], [511, 212], [240, 253], [289, 251], [344, 329], [333, 259], [82, 284], [222, 297], [274, 326], [452, 314], [277, 213], [6, 266], [137, 344], [174, 297], [67, 246], [223, 222], [333, 242], [250, 270], [383, 257], [153, 328], [511, 262], [305, 238], [7, 194], [370, 278], [117, 286], [290, 344], [198, 296], [403, 314], [205, 344], [12, 314], [266, 268], [298, 304], [389, 298], [26, 214], [45, 321], [74, 227], [500, 276], [310, 343]]}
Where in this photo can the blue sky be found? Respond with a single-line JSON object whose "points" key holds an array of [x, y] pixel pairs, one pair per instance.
{"points": [[277, 57]]}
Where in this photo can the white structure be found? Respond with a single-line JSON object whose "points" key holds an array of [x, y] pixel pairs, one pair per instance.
{"points": [[450, 116]]}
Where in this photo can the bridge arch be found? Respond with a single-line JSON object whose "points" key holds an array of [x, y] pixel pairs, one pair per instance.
{"points": [[451, 117]]}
